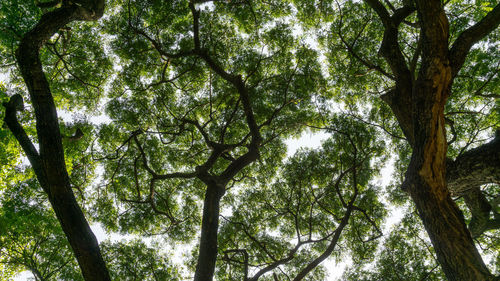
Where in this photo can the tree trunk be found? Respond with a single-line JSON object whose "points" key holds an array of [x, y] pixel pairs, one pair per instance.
{"points": [[444, 222], [426, 174], [449, 235], [207, 256], [49, 163], [419, 108]]}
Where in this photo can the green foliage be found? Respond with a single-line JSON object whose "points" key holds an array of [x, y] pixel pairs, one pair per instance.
{"points": [[180, 103], [404, 255], [296, 215], [303, 64], [31, 238], [16, 18], [134, 260], [76, 66]]}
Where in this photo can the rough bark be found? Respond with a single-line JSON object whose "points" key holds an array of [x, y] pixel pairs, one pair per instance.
{"points": [[467, 173], [481, 211], [451, 239], [48, 163], [474, 168], [419, 107], [426, 177]]}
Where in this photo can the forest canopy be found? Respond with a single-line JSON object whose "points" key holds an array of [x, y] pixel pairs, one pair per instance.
{"points": [[166, 124]]}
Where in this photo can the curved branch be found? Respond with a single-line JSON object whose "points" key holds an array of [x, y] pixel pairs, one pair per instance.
{"points": [[52, 162], [313, 264], [155, 175], [401, 96], [351, 50], [343, 223], [381, 11], [470, 36]]}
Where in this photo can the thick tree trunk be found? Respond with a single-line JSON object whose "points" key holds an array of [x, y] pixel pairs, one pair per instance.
{"points": [[425, 181], [444, 222], [49, 163], [426, 174], [449, 235], [419, 108], [207, 256]]}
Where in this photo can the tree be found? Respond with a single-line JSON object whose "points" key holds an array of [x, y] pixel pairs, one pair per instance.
{"points": [[49, 163], [200, 96], [419, 68], [321, 201], [220, 105]]}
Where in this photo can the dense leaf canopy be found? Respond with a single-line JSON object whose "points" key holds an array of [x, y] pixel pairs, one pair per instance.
{"points": [[169, 127]]}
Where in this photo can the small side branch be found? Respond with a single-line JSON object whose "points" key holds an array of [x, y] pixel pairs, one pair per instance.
{"points": [[14, 105], [470, 36]]}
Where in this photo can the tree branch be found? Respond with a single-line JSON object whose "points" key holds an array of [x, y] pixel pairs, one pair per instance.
{"points": [[381, 11], [401, 96], [155, 175], [475, 167], [343, 223], [480, 210], [16, 104], [470, 36]]}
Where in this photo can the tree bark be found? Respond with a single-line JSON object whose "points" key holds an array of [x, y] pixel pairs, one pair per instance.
{"points": [[207, 256], [419, 108], [467, 173], [474, 168], [481, 211], [451, 239], [426, 174], [49, 163]]}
